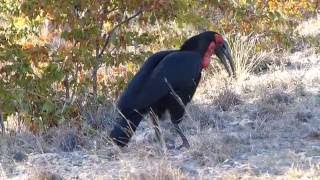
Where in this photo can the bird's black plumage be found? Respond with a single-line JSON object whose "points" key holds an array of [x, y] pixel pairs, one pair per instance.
{"points": [[166, 81]]}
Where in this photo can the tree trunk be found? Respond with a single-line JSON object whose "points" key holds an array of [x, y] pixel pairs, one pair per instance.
{"points": [[2, 123], [67, 86], [95, 79]]}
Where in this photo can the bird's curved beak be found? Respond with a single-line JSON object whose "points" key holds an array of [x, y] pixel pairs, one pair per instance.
{"points": [[223, 52]]}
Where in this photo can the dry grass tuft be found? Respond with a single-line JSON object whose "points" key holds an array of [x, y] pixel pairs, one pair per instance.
{"points": [[278, 97], [245, 54], [226, 99], [157, 170], [99, 116], [69, 141], [272, 105], [293, 173], [310, 27], [210, 147], [43, 175], [24, 142], [63, 139], [298, 173], [267, 112]]}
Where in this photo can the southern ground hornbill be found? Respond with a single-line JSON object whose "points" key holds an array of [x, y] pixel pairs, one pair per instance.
{"points": [[167, 81]]}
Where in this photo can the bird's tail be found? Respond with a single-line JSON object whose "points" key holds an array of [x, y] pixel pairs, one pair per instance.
{"points": [[125, 127]]}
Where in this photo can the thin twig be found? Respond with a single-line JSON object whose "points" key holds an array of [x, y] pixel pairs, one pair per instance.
{"points": [[110, 33]]}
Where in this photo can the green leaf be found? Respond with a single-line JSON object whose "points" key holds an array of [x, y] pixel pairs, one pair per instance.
{"points": [[152, 19], [48, 107]]}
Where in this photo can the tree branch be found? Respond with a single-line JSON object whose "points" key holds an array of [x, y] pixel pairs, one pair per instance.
{"points": [[111, 10], [110, 33]]}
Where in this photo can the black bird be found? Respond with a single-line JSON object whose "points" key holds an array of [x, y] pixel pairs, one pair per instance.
{"points": [[168, 81]]}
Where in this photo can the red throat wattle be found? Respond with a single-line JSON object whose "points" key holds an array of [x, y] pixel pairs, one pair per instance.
{"points": [[208, 54], [218, 39]]}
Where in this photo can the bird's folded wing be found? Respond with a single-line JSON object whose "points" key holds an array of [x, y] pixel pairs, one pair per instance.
{"points": [[144, 73], [176, 71], [128, 97]]}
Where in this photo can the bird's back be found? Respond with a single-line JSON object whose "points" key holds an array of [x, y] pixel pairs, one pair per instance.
{"points": [[177, 71], [137, 82]]}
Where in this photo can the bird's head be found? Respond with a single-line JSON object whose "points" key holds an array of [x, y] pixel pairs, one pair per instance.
{"points": [[207, 44]]}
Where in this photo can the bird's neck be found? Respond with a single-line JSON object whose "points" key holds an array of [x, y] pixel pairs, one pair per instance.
{"points": [[207, 55]]}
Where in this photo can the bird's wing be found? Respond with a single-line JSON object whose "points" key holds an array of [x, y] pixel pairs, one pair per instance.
{"points": [[177, 71], [146, 69], [137, 82]]}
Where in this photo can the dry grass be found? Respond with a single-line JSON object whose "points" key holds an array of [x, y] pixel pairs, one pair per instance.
{"points": [[245, 55], [271, 106], [309, 28], [43, 175], [221, 152], [293, 173], [226, 99], [162, 170], [211, 147], [298, 173]]}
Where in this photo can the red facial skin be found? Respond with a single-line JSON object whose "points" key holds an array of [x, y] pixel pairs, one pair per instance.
{"points": [[210, 51]]}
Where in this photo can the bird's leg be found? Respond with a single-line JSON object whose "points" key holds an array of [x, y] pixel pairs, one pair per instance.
{"points": [[185, 142], [156, 127]]}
